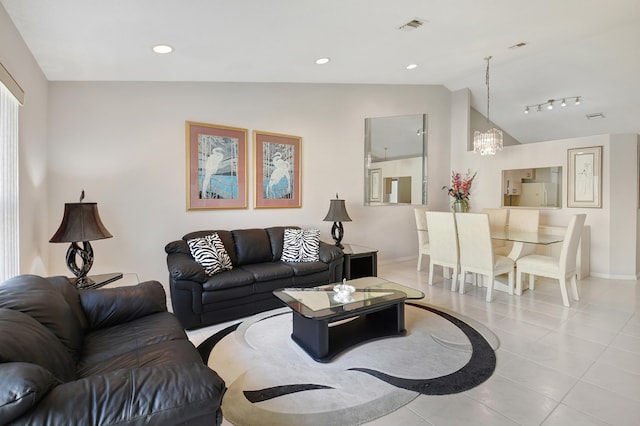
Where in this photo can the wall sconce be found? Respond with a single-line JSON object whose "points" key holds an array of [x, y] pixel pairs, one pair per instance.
{"points": [[337, 214]]}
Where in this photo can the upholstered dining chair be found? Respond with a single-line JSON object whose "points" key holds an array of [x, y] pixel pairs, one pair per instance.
{"points": [[443, 244], [476, 254], [520, 220], [561, 269], [423, 233], [497, 223]]}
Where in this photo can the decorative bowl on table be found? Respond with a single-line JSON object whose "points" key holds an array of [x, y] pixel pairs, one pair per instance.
{"points": [[343, 292], [344, 289]]}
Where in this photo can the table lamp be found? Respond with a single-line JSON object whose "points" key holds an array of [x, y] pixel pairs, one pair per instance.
{"points": [[80, 223], [337, 214]]}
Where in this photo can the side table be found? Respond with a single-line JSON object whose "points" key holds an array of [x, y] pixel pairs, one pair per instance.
{"points": [[95, 281], [359, 262]]}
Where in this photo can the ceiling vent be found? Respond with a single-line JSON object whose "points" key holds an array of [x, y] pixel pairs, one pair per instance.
{"points": [[413, 24], [595, 116]]}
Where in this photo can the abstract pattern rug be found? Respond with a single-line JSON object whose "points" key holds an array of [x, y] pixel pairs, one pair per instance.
{"points": [[272, 381]]}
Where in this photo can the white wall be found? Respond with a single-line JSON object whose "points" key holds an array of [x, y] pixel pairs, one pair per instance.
{"points": [[124, 144], [17, 59]]}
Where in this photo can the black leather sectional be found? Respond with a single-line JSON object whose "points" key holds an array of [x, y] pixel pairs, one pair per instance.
{"points": [[199, 300], [99, 357]]}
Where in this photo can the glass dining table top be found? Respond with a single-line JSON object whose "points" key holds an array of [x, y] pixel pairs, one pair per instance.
{"points": [[527, 237]]}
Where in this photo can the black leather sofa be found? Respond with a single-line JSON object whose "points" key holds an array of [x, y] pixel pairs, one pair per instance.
{"points": [[199, 300], [98, 357]]}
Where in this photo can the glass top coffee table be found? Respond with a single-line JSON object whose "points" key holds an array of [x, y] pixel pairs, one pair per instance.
{"points": [[325, 322]]}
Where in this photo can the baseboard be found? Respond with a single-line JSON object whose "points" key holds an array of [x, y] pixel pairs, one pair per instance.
{"points": [[399, 259], [614, 276]]}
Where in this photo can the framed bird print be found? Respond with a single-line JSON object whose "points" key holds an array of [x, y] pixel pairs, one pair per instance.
{"points": [[216, 167], [277, 170]]}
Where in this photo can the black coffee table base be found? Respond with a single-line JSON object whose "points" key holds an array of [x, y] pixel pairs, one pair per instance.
{"points": [[324, 338]]}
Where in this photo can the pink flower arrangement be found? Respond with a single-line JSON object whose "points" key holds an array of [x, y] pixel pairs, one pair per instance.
{"points": [[460, 186]]}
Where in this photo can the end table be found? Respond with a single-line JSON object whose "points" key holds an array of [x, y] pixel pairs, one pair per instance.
{"points": [[95, 281], [359, 262]]}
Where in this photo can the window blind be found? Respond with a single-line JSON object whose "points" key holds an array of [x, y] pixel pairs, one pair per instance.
{"points": [[9, 220]]}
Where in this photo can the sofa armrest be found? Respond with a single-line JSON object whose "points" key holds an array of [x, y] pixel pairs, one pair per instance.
{"points": [[329, 252], [163, 395], [109, 306], [183, 267]]}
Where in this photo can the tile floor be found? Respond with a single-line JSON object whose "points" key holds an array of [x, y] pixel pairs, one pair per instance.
{"points": [[555, 365]]}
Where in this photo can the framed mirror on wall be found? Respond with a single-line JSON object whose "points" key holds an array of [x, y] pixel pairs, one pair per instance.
{"points": [[395, 160], [539, 187]]}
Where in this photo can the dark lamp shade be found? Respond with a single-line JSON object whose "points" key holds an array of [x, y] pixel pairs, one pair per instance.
{"points": [[337, 212], [81, 222]]}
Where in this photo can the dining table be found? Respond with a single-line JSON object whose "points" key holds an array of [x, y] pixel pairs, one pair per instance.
{"points": [[524, 243]]}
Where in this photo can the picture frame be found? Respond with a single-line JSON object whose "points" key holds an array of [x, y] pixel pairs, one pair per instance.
{"points": [[278, 170], [375, 192], [584, 186], [216, 166]]}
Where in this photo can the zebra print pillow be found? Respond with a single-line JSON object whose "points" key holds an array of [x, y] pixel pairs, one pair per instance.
{"points": [[301, 245], [209, 252]]}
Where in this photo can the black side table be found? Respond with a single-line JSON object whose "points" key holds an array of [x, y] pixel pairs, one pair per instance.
{"points": [[359, 262], [95, 281]]}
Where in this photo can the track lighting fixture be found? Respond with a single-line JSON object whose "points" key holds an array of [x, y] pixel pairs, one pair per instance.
{"points": [[550, 103]]}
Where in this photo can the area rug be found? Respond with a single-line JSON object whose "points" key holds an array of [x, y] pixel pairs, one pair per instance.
{"points": [[272, 381]]}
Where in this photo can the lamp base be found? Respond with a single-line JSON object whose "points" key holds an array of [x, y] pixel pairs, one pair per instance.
{"points": [[86, 255], [337, 232]]}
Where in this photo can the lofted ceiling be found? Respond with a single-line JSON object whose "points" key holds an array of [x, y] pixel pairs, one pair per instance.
{"points": [[587, 48]]}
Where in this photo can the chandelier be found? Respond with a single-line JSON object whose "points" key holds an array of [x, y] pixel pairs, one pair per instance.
{"points": [[489, 142]]}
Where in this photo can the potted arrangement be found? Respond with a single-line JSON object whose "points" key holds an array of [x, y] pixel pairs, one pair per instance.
{"points": [[459, 190]]}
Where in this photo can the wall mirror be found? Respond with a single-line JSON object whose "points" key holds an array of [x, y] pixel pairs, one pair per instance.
{"points": [[395, 156], [536, 187]]}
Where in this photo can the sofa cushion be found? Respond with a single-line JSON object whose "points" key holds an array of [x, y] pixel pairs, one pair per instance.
{"points": [[110, 306], [39, 299], [308, 268], [23, 385], [152, 340], [301, 245], [23, 339], [228, 279], [209, 252], [269, 271], [276, 238], [252, 246]]}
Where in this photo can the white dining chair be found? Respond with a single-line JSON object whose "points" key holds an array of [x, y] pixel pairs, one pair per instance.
{"points": [[423, 233], [520, 220], [561, 269], [443, 244], [497, 223], [476, 254]]}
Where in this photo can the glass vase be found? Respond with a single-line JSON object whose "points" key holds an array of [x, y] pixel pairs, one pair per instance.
{"points": [[460, 206]]}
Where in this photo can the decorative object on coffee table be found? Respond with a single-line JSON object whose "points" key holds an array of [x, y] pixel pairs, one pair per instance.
{"points": [[337, 214], [80, 223]]}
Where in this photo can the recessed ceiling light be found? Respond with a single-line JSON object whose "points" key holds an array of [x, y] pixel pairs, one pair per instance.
{"points": [[322, 61], [412, 66], [162, 48]]}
